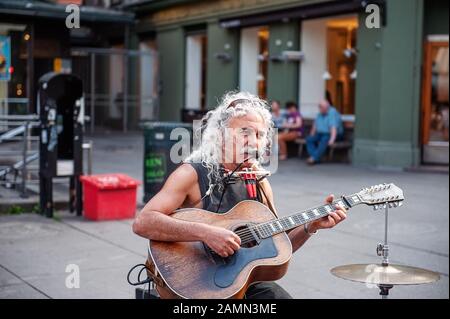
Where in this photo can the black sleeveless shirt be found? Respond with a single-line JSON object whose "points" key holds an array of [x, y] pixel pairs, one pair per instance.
{"points": [[233, 192]]}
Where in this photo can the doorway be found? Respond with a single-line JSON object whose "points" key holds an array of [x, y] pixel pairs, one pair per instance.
{"points": [[435, 107], [254, 55], [195, 81], [329, 69]]}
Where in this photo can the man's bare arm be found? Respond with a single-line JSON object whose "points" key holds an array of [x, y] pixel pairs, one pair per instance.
{"points": [[154, 222], [313, 130], [333, 135]]}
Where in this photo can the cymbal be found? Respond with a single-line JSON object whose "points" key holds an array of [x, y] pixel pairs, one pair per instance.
{"points": [[385, 275]]}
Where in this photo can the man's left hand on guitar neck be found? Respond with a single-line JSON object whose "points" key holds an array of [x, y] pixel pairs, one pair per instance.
{"points": [[329, 221], [298, 236]]}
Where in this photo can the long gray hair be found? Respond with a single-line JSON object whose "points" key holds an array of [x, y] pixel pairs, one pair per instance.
{"points": [[216, 121]]}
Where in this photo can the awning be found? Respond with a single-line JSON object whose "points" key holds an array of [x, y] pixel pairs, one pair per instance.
{"points": [[309, 11], [44, 9]]}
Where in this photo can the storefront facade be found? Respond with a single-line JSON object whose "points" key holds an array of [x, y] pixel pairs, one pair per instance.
{"points": [[301, 50]]}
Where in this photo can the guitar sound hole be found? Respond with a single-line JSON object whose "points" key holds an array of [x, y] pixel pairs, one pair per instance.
{"points": [[247, 238]]}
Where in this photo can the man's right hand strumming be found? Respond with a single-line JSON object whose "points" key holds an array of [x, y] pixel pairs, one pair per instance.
{"points": [[223, 241]]}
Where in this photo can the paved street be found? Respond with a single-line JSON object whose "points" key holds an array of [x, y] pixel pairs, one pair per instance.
{"points": [[35, 251]]}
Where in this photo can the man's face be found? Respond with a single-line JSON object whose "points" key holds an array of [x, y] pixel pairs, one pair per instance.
{"points": [[275, 107], [323, 107], [243, 138]]}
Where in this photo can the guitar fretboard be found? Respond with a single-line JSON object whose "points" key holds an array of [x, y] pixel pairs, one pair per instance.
{"points": [[276, 226]]}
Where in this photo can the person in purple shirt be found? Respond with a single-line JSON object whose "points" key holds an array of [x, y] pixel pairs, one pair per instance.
{"points": [[290, 130]]}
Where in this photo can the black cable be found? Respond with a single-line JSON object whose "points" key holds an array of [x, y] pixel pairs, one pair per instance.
{"points": [[139, 282], [226, 182], [221, 197]]}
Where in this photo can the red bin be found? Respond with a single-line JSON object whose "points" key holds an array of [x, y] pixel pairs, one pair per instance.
{"points": [[109, 196]]}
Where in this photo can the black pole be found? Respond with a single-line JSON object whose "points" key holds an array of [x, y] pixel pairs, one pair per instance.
{"points": [[72, 194], [30, 70], [79, 195], [49, 197]]}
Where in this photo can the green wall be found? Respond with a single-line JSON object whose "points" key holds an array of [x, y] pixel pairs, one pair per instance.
{"points": [[388, 88], [436, 17], [221, 76], [282, 82], [171, 54]]}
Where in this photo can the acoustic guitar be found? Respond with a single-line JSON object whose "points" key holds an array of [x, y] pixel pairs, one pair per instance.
{"points": [[193, 270]]}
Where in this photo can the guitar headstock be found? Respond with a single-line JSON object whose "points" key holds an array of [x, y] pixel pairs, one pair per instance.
{"points": [[382, 196]]}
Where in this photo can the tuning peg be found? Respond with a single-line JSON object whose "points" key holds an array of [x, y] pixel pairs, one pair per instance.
{"points": [[390, 205], [400, 204], [375, 207], [395, 204], [384, 205]]}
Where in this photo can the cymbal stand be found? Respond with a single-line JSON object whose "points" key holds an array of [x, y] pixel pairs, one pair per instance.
{"points": [[383, 251]]}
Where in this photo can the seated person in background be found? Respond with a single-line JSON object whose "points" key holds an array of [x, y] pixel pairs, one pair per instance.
{"points": [[290, 130], [277, 116], [326, 130]]}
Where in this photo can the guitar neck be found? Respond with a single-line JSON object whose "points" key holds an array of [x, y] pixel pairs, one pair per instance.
{"points": [[276, 226]]}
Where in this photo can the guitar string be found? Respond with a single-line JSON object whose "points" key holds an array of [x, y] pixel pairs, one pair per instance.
{"points": [[247, 231], [302, 220], [247, 235]]}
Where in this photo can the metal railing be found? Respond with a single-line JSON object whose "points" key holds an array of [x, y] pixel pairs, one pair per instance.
{"points": [[19, 131], [18, 128], [105, 110]]}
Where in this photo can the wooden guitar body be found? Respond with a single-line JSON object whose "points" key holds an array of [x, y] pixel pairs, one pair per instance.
{"points": [[192, 270]]}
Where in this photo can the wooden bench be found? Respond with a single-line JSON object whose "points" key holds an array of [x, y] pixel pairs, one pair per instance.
{"points": [[346, 144]]}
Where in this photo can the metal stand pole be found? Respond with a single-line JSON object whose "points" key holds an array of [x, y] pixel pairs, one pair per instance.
{"points": [[384, 290], [383, 251]]}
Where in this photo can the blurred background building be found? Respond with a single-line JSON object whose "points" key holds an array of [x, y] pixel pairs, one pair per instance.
{"points": [[171, 60]]}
